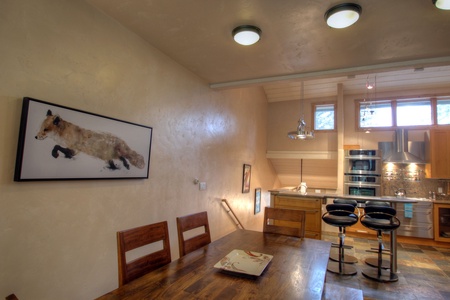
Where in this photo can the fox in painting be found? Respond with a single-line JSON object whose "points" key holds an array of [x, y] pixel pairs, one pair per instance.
{"points": [[72, 139]]}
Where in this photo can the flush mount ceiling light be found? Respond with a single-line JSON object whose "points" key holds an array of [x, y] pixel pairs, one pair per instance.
{"points": [[442, 4], [343, 15], [302, 132], [246, 34]]}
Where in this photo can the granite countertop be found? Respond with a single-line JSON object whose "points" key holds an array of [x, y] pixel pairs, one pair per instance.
{"points": [[289, 192]]}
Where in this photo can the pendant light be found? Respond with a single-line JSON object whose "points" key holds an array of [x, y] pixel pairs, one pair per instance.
{"points": [[367, 113], [343, 15], [302, 132]]}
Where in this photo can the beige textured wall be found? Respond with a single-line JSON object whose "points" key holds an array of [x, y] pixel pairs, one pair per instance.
{"points": [[57, 239], [283, 118]]}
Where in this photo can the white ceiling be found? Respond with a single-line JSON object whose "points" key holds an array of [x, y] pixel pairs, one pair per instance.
{"points": [[391, 39]]}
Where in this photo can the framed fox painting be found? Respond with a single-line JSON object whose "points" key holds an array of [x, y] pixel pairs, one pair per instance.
{"points": [[62, 143]]}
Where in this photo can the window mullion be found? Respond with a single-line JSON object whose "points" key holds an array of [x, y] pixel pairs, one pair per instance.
{"points": [[394, 113], [433, 111]]}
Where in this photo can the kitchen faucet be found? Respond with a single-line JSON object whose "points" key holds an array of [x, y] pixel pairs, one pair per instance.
{"points": [[400, 193]]}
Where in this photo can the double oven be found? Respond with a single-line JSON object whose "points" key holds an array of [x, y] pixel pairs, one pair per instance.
{"points": [[362, 172]]}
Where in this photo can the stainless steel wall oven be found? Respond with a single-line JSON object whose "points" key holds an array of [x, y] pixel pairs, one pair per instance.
{"points": [[362, 172], [362, 162]]}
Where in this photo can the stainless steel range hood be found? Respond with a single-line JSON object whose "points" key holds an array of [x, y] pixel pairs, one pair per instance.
{"points": [[401, 154]]}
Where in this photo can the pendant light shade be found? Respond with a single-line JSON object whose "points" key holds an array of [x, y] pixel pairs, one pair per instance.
{"points": [[302, 132], [343, 15], [442, 4], [246, 34]]}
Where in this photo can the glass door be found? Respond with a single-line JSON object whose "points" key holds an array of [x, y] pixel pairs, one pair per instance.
{"points": [[442, 222]]}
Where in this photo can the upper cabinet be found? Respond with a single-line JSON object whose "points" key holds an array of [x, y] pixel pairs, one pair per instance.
{"points": [[439, 154]]}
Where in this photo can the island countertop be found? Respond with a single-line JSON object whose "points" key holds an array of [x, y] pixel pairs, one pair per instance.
{"points": [[390, 199]]}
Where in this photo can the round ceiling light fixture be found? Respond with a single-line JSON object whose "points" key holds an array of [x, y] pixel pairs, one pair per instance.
{"points": [[442, 4], [343, 15], [246, 34]]}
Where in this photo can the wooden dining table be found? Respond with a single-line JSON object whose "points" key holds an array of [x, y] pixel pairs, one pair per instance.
{"points": [[296, 271]]}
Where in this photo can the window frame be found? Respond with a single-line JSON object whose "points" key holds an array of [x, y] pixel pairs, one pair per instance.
{"points": [[394, 101], [436, 99], [313, 118]]}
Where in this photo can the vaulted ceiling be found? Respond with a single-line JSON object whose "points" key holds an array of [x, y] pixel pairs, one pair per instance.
{"points": [[404, 43]]}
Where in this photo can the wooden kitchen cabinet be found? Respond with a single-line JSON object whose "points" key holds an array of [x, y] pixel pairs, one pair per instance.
{"points": [[439, 149], [313, 208], [358, 227], [442, 222]]}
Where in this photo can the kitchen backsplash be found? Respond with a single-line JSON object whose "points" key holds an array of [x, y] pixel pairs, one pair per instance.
{"points": [[412, 179]]}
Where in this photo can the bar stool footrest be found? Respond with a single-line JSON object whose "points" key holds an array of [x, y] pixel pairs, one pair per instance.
{"points": [[385, 276], [348, 259], [373, 262], [383, 252], [341, 269], [384, 249], [336, 245]]}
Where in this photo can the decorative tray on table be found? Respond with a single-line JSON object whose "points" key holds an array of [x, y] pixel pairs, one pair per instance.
{"points": [[244, 262]]}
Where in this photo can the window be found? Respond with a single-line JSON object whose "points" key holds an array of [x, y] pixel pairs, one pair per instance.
{"points": [[443, 111], [414, 113], [375, 114], [324, 116], [382, 114]]}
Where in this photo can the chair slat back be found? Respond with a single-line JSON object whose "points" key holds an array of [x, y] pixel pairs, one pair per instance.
{"points": [[284, 221], [191, 222], [134, 238]]}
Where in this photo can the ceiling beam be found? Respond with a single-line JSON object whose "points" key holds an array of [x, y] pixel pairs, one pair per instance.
{"points": [[419, 63]]}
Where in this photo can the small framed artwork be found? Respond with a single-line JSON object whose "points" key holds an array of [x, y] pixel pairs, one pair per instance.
{"points": [[62, 143], [257, 200], [246, 176]]}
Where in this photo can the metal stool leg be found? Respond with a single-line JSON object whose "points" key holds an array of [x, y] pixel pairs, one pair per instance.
{"points": [[339, 267], [373, 261], [347, 259], [378, 274]]}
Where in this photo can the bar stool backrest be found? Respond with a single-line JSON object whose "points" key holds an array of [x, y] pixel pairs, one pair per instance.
{"points": [[345, 201], [380, 212], [340, 209]]}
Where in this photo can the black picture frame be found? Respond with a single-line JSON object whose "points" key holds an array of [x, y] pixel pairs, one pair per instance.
{"points": [[257, 200], [246, 177], [61, 143]]}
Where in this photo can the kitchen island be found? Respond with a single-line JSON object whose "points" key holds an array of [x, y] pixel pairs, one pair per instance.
{"points": [[324, 197], [312, 205]]}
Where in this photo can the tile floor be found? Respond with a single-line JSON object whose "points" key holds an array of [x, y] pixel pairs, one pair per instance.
{"points": [[423, 271]]}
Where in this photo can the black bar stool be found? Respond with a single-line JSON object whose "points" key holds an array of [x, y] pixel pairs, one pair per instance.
{"points": [[381, 219], [348, 259], [342, 216], [373, 261]]}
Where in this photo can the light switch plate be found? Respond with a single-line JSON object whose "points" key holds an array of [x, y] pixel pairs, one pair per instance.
{"points": [[202, 186]]}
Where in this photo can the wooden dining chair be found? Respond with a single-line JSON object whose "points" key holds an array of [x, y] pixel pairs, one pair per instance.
{"points": [[193, 222], [134, 238], [284, 221]]}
